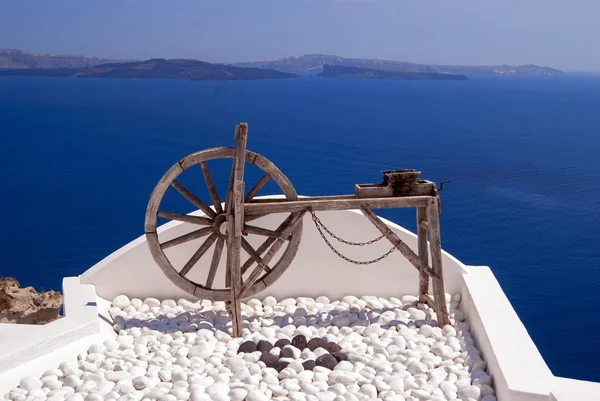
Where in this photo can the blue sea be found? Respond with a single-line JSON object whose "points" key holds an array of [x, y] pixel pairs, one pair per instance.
{"points": [[79, 158]]}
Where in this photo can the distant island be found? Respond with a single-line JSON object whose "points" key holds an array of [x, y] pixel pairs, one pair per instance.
{"points": [[308, 64], [13, 58], [314, 63], [157, 68], [338, 71]]}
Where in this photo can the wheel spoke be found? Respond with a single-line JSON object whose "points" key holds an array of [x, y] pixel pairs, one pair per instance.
{"points": [[187, 237], [256, 188], [254, 255], [262, 264], [194, 199], [265, 245], [196, 256], [285, 229], [211, 188], [203, 221], [249, 229], [215, 262]]}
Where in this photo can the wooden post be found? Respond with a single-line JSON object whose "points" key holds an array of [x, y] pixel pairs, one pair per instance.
{"points": [[423, 252], [435, 244], [235, 223]]}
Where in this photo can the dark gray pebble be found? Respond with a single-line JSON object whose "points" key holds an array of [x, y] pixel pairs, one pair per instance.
{"points": [[299, 342], [340, 356], [309, 364], [263, 346], [279, 366], [282, 342], [326, 361], [247, 347], [286, 353], [315, 343], [269, 359], [333, 347]]}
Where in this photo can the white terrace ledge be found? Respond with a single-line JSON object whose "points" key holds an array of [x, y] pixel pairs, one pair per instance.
{"points": [[27, 349]]}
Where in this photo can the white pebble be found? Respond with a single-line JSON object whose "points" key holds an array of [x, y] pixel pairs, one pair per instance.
{"points": [[30, 383], [202, 350], [121, 301], [182, 351], [473, 392], [238, 394], [256, 395], [93, 397]]}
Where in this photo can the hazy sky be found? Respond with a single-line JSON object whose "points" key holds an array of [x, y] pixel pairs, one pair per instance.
{"points": [[559, 33]]}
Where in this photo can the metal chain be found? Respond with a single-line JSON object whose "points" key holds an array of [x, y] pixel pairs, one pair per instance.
{"points": [[319, 224]]}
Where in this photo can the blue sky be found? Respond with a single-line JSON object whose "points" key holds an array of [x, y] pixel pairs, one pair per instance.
{"points": [[558, 33]]}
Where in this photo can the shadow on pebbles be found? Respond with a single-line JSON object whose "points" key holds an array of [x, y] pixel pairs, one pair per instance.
{"points": [[303, 349]]}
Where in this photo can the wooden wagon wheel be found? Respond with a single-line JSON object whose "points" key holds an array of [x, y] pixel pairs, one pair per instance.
{"points": [[213, 226]]}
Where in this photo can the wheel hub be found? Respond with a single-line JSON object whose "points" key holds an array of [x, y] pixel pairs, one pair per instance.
{"points": [[220, 225]]}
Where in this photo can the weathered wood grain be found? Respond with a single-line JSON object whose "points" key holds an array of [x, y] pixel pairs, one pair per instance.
{"points": [[285, 233], [203, 221], [198, 254], [166, 266], [187, 237], [193, 199], [214, 265], [312, 198], [397, 242], [380, 190], [233, 266], [157, 195], [435, 244], [235, 220], [267, 243], [250, 229], [422, 250], [214, 196], [257, 187], [253, 208]]}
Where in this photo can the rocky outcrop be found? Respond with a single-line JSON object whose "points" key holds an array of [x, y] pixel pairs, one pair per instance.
{"points": [[26, 305]]}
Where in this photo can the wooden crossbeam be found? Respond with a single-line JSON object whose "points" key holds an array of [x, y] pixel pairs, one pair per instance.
{"points": [[333, 203]]}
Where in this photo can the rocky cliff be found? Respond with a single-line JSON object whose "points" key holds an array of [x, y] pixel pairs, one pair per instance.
{"points": [[26, 305]]}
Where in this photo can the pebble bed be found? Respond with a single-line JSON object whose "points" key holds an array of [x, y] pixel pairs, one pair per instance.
{"points": [[303, 349]]}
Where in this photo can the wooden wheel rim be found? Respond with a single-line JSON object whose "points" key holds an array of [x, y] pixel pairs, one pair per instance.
{"points": [[165, 182]]}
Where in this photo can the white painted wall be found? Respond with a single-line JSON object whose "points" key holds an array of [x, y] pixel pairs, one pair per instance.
{"points": [[514, 362], [315, 270]]}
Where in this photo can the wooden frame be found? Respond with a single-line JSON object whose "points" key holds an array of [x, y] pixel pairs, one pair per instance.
{"points": [[225, 227]]}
